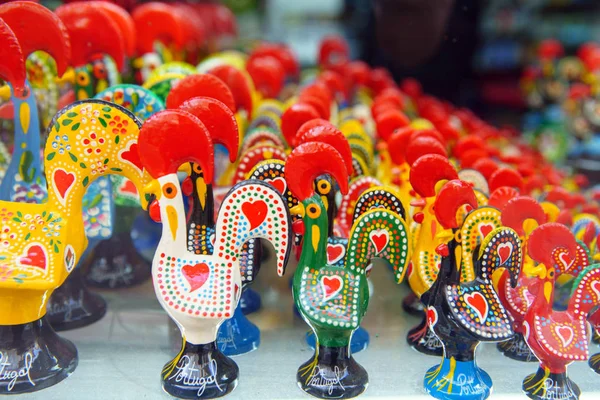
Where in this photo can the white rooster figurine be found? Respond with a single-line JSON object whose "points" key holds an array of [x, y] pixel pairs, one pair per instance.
{"points": [[201, 291]]}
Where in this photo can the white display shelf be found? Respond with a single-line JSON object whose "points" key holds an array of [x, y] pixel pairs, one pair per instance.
{"points": [[121, 356]]}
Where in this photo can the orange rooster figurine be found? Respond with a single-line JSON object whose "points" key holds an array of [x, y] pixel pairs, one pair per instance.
{"points": [[557, 338]]}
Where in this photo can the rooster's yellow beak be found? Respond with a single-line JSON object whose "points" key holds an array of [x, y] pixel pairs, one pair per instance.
{"points": [[138, 63], [153, 188], [445, 236], [185, 167], [298, 210], [534, 271], [68, 77]]}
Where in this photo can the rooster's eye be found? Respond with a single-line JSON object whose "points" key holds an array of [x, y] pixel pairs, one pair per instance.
{"points": [[324, 187], [551, 274], [197, 168], [83, 78], [313, 211], [169, 190]]}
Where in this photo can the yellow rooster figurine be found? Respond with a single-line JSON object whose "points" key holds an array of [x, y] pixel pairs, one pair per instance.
{"points": [[41, 243]]}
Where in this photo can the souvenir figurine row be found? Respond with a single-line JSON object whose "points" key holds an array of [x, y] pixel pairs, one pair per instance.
{"points": [[334, 168], [562, 94]]}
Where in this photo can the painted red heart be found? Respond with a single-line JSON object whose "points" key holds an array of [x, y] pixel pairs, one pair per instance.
{"points": [[566, 261], [129, 187], [256, 212], [380, 239], [565, 334], [485, 229], [196, 275], [35, 256], [479, 304], [63, 181], [132, 155], [331, 285], [335, 252], [432, 316], [504, 252], [278, 183]]}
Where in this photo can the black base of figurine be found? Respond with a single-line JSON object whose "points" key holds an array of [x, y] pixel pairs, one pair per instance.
{"points": [[423, 340], [115, 264], [200, 371], [332, 374], [33, 357], [517, 349], [546, 385], [594, 363], [412, 305], [73, 306]]}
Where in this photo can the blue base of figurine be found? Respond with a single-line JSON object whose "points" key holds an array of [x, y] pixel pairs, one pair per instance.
{"points": [[360, 340], [250, 301], [238, 335], [454, 380]]}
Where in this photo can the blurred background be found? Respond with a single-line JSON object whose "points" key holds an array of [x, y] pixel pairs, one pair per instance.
{"points": [[483, 48]]}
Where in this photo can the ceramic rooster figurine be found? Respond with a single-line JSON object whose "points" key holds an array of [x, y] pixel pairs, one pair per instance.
{"points": [[333, 299], [464, 313], [209, 99], [523, 214], [97, 56], [557, 338], [200, 291], [116, 262], [45, 241], [425, 174], [24, 179], [157, 27]]}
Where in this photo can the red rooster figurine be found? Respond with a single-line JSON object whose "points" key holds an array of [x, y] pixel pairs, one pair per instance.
{"points": [[557, 338]]}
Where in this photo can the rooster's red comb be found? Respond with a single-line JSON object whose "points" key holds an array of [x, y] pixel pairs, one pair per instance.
{"points": [[267, 74], [467, 143], [12, 62], [453, 195], [501, 196], [307, 162], [124, 21], [293, 118], [197, 85], [156, 21], [427, 171], [432, 133], [92, 31], [218, 119], [27, 20], [319, 90], [329, 134], [238, 84], [397, 144], [561, 197], [519, 209], [390, 120], [505, 176], [282, 53], [171, 138], [333, 51], [546, 239], [423, 145]]}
